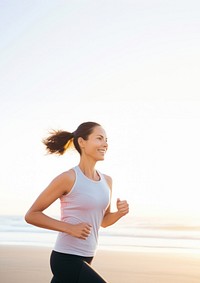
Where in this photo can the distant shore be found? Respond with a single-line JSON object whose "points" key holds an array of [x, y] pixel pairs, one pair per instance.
{"points": [[31, 264]]}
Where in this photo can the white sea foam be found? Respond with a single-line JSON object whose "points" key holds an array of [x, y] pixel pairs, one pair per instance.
{"points": [[128, 234]]}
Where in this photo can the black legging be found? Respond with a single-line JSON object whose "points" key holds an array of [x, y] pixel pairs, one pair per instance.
{"points": [[68, 268]]}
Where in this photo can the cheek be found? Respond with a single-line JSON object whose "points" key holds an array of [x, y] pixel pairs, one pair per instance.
{"points": [[91, 148]]}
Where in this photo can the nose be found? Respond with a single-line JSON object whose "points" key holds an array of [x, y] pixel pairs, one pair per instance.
{"points": [[105, 143]]}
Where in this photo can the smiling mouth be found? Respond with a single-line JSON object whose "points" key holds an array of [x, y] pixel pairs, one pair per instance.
{"points": [[102, 150]]}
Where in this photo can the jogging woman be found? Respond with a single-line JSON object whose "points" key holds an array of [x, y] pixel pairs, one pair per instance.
{"points": [[85, 196]]}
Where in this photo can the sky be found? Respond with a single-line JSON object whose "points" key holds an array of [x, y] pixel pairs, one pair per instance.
{"points": [[132, 66]]}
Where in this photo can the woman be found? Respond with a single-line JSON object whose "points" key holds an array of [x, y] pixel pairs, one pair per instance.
{"points": [[85, 199]]}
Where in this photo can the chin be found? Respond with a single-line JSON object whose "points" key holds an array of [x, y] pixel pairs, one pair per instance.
{"points": [[100, 159]]}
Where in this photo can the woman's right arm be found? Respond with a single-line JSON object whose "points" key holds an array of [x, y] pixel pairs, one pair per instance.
{"points": [[61, 185]]}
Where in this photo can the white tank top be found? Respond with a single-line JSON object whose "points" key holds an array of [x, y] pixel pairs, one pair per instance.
{"points": [[86, 202]]}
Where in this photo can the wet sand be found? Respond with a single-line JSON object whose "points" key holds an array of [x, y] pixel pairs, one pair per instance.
{"points": [[20, 264]]}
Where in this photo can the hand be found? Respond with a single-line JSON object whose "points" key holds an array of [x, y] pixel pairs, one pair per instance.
{"points": [[122, 207], [81, 230]]}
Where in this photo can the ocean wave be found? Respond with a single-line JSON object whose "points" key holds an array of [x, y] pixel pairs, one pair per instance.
{"points": [[127, 235]]}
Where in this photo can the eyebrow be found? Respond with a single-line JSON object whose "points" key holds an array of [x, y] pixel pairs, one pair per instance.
{"points": [[102, 137]]}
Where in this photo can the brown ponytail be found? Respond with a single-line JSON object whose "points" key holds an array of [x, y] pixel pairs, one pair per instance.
{"points": [[59, 141]]}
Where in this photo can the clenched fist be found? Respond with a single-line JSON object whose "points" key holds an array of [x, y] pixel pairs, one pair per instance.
{"points": [[122, 207], [81, 230]]}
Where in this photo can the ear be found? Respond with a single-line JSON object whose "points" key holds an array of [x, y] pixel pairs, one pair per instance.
{"points": [[81, 142]]}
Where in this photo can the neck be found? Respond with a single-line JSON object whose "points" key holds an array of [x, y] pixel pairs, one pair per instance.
{"points": [[89, 170]]}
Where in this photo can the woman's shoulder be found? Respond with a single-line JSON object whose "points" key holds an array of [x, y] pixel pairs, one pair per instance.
{"points": [[66, 179], [108, 179], [69, 174]]}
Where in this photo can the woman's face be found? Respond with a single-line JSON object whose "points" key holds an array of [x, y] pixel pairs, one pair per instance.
{"points": [[96, 145]]}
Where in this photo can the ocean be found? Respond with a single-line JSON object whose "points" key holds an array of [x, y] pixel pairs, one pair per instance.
{"points": [[128, 234]]}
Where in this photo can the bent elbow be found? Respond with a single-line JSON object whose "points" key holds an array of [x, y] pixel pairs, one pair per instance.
{"points": [[27, 217], [103, 225]]}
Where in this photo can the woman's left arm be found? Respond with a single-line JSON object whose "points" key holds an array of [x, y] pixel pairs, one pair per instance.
{"points": [[122, 209]]}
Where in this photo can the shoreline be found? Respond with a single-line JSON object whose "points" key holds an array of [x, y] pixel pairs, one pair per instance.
{"points": [[120, 249], [20, 263]]}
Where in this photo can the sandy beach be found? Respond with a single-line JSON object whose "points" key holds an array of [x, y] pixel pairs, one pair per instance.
{"points": [[22, 264]]}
